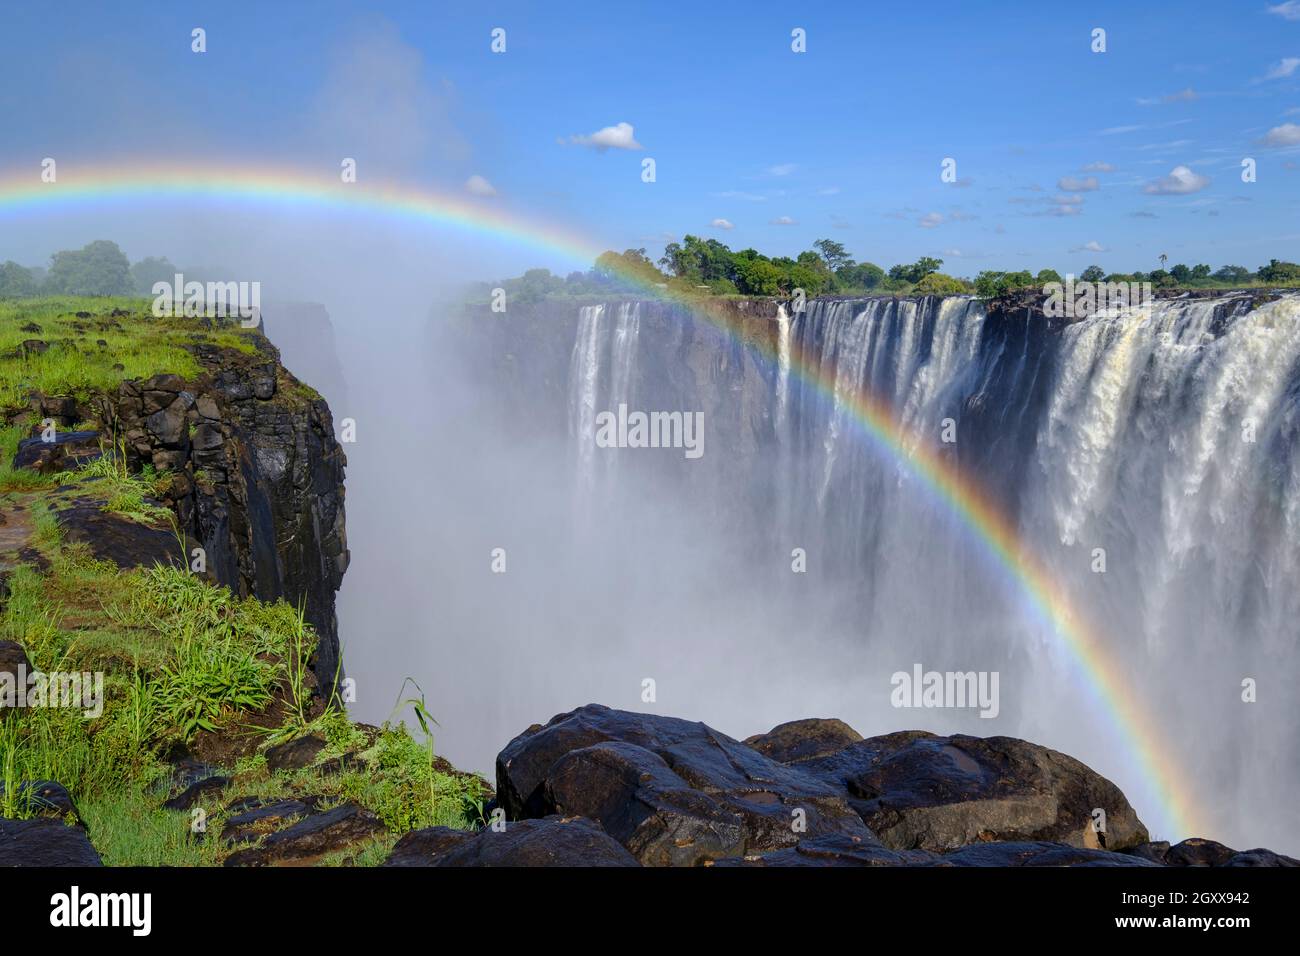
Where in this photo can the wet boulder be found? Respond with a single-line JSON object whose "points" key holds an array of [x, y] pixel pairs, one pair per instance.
{"points": [[916, 790], [777, 805], [42, 841], [1037, 853], [799, 740], [641, 803], [550, 841], [307, 841]]}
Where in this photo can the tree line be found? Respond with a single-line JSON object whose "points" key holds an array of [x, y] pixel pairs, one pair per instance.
{"points": [[98, 268]]}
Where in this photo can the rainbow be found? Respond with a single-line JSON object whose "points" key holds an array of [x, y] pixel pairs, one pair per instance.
{"points": [[1115, 694]]}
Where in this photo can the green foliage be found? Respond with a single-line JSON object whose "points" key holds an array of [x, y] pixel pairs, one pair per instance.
{"points": [[1278, 271], [98, 268], [1093, 274], [917, 271], [17, 282], [990, 285], [150, 270], [75, 364], [936, 283]]}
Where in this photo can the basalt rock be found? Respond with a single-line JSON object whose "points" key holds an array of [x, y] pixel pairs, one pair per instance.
{"points": [[66, 452], [551, 841], [311, 838], [742, 800], [800, 740], [256, 477], [1036, 853], [41, 841], [112, 537], [916, 790]]}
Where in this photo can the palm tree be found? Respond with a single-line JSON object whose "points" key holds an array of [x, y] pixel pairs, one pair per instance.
{"points": [[1163, 259]]}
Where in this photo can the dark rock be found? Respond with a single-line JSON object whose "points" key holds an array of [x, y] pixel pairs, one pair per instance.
{"points": [[551, 841], [68, 451], [45, 842], [919, 791], [804, 739], [45, 798], [247, 826], [1037, 853], [834, 850], [424, 847], [34, 347], [1198, 852], [345, 763], [112, 537], [195, 792], [778, 805], [262, 491], [1155, 851], [643, 805], [31, 327], [1260, 857], [14, 662], [294, 754], [312, 838]]}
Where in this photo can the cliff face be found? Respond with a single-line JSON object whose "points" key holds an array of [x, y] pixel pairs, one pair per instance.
{"points": [[257, 477]]}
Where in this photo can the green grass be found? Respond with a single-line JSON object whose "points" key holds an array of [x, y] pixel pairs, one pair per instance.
{"points": [[75, 364]]}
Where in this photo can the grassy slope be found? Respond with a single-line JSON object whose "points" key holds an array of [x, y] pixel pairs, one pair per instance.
{"points": [[182, 659]]}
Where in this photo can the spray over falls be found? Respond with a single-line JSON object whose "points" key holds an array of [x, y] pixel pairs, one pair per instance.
{"points": [[1149, 460]]}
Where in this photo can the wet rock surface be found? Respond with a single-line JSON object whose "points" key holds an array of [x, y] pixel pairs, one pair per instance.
{"points": [[41, 841], [920, 791], [550, 841]]}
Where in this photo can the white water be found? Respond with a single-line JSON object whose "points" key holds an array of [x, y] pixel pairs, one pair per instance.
{"points": [[1124, 433]]}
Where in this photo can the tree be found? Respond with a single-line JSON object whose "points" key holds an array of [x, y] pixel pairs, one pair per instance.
{"points": [[150, 270], [936, 283], [16, 282], [917, 271], [862, 275], [1232, 274], [1278, 271], [758, 277], [833, 254], [99, 268], [1182, 274], [1093, 274], [1047, 275]]}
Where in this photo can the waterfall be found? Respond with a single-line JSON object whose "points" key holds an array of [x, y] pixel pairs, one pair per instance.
{"points": [[584, 379], [1165, 440], [783, 363]]}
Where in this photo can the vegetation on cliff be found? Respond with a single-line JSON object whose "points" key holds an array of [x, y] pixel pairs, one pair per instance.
{"points": [[96, 578]]}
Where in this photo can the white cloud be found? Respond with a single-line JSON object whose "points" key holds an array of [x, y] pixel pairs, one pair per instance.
{"points": [[783, 169], [1114, 130], [618, 136], [1073, 184], [1093, 246], [1288, 134], [722, 224], [1099, 167], [479, 186], [930, 220], [783, 221], [1181, 181], [1287, 11], [829, 191], [1283, 68]]}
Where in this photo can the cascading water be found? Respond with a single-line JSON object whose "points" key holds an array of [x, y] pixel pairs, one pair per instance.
{"points": [[1150, 460]]}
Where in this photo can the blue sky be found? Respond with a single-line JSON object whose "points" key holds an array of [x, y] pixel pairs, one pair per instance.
{"points": [[1064, 156]]}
